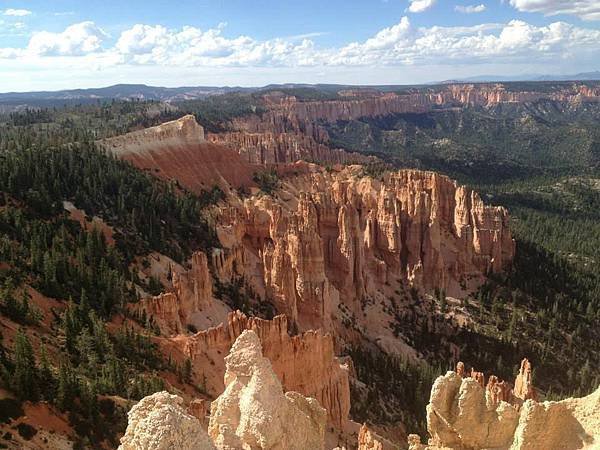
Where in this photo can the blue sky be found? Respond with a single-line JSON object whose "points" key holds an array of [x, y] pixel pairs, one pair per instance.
{"points": [[64, 44]]}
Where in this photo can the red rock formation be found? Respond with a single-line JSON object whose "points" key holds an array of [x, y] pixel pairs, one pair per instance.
{"points": [[192, 292], [332, 236], [478, 376], [274, 148], [497, 391], [177, 150], [524, 389], [288, 114], [304, 363], [483, 95], [367, 441]]}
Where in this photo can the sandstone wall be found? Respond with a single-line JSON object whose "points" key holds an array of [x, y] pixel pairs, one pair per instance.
{"points": [[304, 363], [278, 148], [340, 236], [254, 413], [192, 292]]}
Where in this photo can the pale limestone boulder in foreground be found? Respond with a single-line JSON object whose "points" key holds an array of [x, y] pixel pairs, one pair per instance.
{"points": [[460, 417], [158, 422], [573, 423], [254, 413]]}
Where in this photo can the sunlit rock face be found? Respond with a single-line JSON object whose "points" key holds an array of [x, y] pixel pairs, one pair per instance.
{"points": [[304, 363], [331, 237], [463, 415], [253, 411], [159, 422]]}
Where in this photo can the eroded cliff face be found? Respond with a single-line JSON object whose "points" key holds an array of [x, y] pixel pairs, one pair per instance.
{"points": [[287, 113], [192, 292], [304, 363], [178, 150], [462, 414], [253, 411], [339, 237], [280, 148]]}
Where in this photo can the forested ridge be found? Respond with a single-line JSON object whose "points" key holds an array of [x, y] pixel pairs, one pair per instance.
{"points": [[43, 164], [539, 160]]}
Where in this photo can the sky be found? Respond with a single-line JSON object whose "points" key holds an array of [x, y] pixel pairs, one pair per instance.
{"points": [[64, 44]]}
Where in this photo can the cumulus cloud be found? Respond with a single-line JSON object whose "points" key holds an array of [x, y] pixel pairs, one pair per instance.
{"points": [[470, 9], [514, 42], [418, 6], [16, 12], [584, 9], [399, 45], [77, 40], [144, 44]]}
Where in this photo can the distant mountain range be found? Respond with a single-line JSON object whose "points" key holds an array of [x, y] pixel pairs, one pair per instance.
{"points": [[15, 100], [584, 76], [139, 91]]}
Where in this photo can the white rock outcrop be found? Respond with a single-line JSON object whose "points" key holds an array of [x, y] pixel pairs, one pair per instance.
{"points": [[254, 413], [159, 422], [573, 423], [460, 418]]}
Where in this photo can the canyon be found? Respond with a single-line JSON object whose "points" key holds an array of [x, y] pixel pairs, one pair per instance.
{"points": [[291, 129], [253, 412], [334, 250], [331, 291]]}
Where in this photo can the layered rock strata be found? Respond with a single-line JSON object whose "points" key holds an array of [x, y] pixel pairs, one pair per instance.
{"points": [[343, 235], [192, 292], [178, 150], [304, 363], [280, 148], [287, 113], [254, 413]]}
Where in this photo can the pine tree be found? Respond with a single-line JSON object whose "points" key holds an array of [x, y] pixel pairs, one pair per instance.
{"points": [[25, 377], [47, 381], [67, 387]]}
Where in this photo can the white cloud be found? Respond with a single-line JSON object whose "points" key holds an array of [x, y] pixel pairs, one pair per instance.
{"points": [[470, 9], [401, 47], [584, 9], [16, 12], [514, 42], [418, 6], [77, 40], [145, 44]]}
